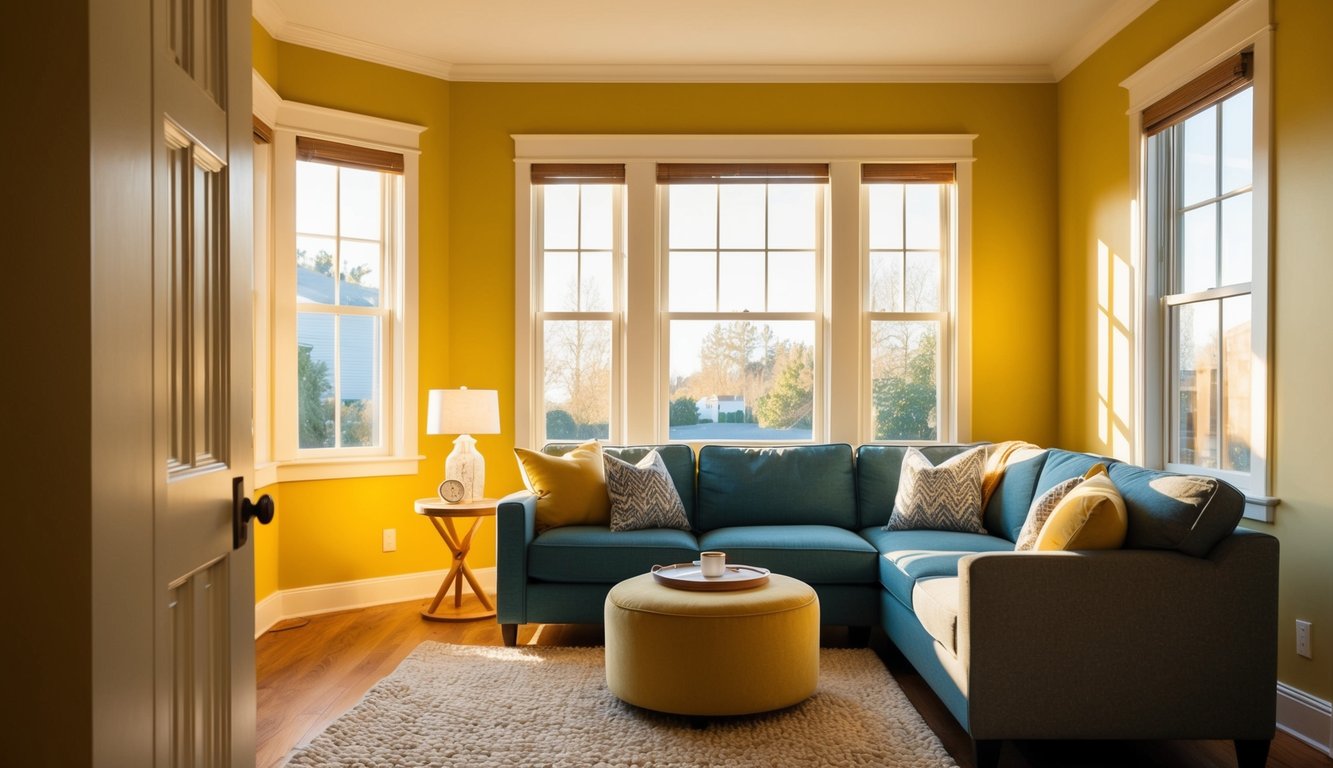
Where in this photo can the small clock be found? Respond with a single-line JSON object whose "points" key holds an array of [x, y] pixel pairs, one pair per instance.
{"points": [[451, 491]]}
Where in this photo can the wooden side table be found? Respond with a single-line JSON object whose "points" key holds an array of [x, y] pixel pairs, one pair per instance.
{"points": [[441, 514]]}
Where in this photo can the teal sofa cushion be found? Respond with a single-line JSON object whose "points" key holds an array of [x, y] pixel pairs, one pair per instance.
{"points": [[815, 554], [679, 460], [595, 554], [1062, 465], [801, 485], [877, 468], [1008, 507], [906, 556], [1186, 513]]}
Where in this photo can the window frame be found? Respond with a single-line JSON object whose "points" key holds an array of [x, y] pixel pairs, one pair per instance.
{"points": [[643, 376], [276, 433], [614, 315], [945, 316], [1244, 25], [666, 315]]}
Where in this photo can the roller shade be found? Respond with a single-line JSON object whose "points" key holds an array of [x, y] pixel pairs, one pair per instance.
{"points": [[908, 173], [578, 173], [742, 173], [347, 155], [1231, 75]]}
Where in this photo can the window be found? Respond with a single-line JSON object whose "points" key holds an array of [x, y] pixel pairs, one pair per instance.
{"points": [[347, 223], [579, 253], [907, 244], [1202, 210], [740, 288], [1204, 156], [338, 285], [744, 247]]}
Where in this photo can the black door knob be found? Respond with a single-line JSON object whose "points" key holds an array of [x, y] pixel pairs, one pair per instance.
{"points": [[243, 511]]}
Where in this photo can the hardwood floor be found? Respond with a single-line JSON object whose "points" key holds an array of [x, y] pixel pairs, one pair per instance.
{"points": [[311, 672]]}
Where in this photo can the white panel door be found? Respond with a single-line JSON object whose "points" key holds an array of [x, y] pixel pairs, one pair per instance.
{"points": [[203, 588]]}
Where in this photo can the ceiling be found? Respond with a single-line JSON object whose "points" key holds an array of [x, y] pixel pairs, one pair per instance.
{"points": [[710, 40]]}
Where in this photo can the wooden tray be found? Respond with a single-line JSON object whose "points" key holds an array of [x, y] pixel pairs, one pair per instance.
{"points": [[690, 576]]}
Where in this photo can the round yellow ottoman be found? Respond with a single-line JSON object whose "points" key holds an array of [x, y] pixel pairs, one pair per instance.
{"points": [[712, 653]]}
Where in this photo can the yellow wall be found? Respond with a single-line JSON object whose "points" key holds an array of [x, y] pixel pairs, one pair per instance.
{"points": [[267, 546], [331, 530], [1013, 204], [1094, 150]]}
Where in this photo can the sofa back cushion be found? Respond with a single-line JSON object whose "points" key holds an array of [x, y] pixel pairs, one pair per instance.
{"points": [[679, 460], [1061, 465], [1186, 513], [795, 485], [1007, 510], [877, 472]]}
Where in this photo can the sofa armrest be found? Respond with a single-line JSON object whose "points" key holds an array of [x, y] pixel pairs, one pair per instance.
{"points": [[515, 527], [1121, 644]]}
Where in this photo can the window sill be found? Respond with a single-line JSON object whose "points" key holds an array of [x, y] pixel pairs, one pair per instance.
{"points": [[336, 469], [1260, 508]]}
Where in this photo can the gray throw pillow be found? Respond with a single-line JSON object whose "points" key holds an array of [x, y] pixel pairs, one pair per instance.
{"points": [[643, 495], [943, 498]]}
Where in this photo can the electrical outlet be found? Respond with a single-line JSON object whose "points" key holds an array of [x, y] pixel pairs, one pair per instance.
{"points": [[1303, 638], [390, 539]]}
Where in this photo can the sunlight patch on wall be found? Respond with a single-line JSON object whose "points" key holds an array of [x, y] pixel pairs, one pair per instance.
{"points": [[1115, 358]]}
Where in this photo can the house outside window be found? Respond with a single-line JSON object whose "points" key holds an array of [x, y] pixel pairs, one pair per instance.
{"points": [[741, 306]]}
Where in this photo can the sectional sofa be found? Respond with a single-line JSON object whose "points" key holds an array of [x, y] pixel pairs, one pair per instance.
{"points": [[1171, 637]]}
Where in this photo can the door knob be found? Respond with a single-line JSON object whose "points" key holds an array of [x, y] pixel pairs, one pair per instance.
{"points": [[243, 511]]}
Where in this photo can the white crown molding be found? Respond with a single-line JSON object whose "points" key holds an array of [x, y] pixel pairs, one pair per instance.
{"points": [[744, 73], [269, 16], [346, 595], [310, 37], [1116, 18], [1308, 718]]}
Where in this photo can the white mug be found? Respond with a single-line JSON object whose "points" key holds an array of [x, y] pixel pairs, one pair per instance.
{"points": [[712, 564]]}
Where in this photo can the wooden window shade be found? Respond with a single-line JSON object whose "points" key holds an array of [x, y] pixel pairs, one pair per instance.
{"points": [[263, 133], [742, 173], [578, 173], [908, 173], [347, 155], [1202, 92]]}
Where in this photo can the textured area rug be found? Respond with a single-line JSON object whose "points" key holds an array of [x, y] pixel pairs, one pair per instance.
{"points": [[483, 707]]}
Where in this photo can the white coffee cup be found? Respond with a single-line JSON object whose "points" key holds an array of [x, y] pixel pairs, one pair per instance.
{"points": [[712, 564]]}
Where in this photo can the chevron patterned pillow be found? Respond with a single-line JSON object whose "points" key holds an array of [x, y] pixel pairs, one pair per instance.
{"points": [[643, 495], [943, 498]]}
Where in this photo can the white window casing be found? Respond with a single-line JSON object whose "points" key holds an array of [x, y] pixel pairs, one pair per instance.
{"points": [[396, 453], [1244, 25]]}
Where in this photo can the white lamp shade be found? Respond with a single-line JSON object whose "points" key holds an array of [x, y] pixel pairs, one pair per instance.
{"points": [[463, 412]]}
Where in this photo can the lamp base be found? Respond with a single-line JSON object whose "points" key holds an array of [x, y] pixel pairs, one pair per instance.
{"points": [[467, 466]]}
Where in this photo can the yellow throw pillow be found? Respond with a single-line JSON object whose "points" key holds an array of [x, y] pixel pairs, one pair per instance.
{"points": [[570, 489], [1091, 516]]}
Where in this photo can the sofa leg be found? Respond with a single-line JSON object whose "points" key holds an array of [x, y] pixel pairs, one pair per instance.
{"points": [[986, 752], [510, 634], [858, 637], [1252, 753]]}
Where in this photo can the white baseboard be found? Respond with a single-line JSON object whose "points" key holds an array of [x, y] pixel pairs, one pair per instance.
{"points": [[1306, 717], [346, 595]]}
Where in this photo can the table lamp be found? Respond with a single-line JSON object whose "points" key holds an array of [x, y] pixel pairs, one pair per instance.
{"points": [[464, 412]]}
